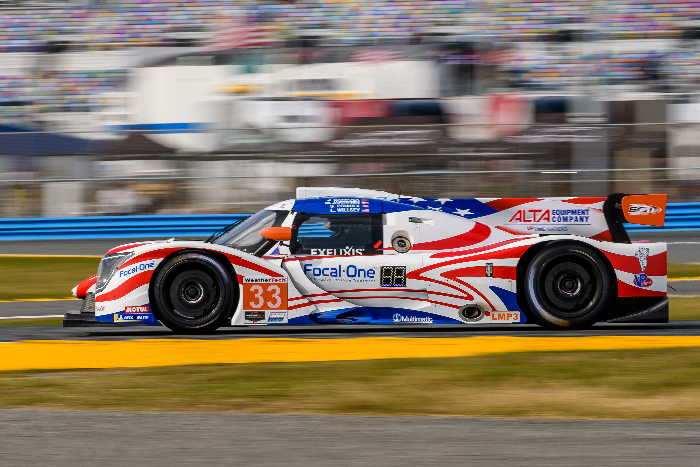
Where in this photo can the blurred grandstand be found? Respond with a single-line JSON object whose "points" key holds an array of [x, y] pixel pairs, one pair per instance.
{"points": [[31, 25], [536, 44], [158, 107]]}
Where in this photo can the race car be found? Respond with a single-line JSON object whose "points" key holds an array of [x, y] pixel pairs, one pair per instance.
{"points": [[355, 256]]}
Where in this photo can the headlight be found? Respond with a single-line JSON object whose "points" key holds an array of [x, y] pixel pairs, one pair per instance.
{"points": [[108, 265]]}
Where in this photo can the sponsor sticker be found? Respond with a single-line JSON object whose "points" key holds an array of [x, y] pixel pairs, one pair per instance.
{"points": [[135, 318], [551, 216], [399, 318], [255, 316], [642, 254], [642, 280], [642, 209], [276, 316], [264, 280], [340, 273], [554, 228], [505, 316], [136, 269], [138, 309], [345, 251]]}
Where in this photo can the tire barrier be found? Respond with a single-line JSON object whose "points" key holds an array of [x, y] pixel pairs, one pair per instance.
{"points": [[679, 217]]}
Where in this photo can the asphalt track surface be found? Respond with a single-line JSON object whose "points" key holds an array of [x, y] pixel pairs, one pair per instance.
{"points": [[23, 333], [169, 439]]}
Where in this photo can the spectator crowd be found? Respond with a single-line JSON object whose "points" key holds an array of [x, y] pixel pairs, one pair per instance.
{"points": [[132, 23], [160, 22]]}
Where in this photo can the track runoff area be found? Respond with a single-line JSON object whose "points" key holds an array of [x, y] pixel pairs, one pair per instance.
{"points": [[52, 347], [26, 346]]}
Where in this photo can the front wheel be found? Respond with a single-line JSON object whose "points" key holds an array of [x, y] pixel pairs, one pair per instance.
{"points": [[569, 285], [192, 293]]}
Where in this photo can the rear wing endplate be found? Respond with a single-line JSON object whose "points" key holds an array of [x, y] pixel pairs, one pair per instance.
{"points": [[635, 209]]}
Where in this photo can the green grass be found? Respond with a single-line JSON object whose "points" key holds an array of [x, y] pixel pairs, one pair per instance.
{"points": [[31, 277], [684, 308], [676, 270], [32, 322], [640, 384]]}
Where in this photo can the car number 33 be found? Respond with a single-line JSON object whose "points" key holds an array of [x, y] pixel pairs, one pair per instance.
{"points": [[265, 296]]}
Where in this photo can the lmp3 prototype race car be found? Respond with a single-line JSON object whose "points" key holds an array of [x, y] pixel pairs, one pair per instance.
{"points": [[354, 256]]}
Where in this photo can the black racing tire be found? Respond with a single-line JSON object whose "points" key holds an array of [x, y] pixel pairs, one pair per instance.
{"points": [[192, 293], [569, 285]]}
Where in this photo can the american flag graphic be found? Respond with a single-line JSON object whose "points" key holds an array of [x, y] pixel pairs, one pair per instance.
{"points": [[375, 55], [237, 34]]}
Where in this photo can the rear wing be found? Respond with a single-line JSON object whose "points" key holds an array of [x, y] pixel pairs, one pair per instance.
{"points": [[635, 209]]}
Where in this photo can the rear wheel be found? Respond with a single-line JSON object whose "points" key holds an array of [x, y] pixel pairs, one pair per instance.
{"points": [[193, 293], [569, 285]]}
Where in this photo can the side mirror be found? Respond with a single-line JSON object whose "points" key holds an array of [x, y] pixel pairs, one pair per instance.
{"points": [[277, 233]]}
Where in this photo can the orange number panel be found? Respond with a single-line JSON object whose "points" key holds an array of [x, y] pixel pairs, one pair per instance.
{"points": [[265, 293]]}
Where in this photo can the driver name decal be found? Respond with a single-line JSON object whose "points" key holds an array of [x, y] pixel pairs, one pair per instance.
{"points": [[346, 205]]}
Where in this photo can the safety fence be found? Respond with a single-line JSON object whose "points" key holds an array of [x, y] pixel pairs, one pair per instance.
{"points": [[244, 170], [679, 217], [98, 227]]}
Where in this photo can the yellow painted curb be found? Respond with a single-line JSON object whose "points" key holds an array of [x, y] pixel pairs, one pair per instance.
{"points": [[170, 352], [683, 279]]}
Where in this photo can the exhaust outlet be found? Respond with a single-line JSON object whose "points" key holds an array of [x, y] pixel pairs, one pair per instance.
{"points": [[471, 313]]}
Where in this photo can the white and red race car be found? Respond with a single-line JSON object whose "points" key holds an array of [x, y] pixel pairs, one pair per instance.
{"points": [[351, 256]]}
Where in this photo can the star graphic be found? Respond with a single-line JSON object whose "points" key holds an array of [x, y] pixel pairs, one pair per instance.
{"points": [[433, 208], [464, 212], [414, 199], [443, 200]]}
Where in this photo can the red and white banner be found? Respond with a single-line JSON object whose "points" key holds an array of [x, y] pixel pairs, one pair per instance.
{"points": [[375, 55], [235, 35]]}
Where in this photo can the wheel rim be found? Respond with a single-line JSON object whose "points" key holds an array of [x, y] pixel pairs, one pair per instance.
{"points": [[192, 294], [570, 285]]}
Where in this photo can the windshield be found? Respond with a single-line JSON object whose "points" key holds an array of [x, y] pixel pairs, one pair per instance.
{"points": [[246, 236]]}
